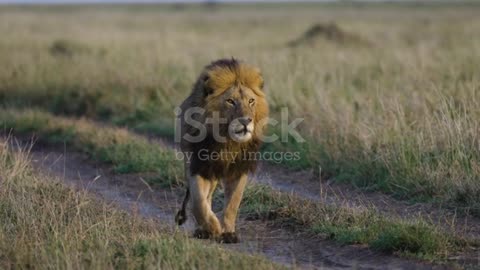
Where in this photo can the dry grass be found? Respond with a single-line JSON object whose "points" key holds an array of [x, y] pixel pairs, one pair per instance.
{"points": [[45, 225], [414, 237], [399, 116]]}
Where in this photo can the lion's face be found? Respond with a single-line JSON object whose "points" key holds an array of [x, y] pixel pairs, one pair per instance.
{"points": [[239, 110], [235, 113]]}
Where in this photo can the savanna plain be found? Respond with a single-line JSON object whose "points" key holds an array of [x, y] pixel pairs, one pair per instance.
{"points": [[389, 95]]}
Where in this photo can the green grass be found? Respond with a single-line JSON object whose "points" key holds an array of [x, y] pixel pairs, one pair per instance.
{"points": [[127, 152], [417, 238], [44, 224], [342, 224], [414, 237]]}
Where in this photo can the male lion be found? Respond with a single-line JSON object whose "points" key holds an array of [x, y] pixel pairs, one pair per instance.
{"points": [[221, 125]]}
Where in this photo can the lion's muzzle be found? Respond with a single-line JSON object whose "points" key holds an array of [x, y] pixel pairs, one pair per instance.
{"points": [[241, 129]]}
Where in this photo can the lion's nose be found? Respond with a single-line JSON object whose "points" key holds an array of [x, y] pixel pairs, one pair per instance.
{"points": [[245, 120]]}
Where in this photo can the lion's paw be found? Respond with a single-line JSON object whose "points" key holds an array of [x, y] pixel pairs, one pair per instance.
{"points": [[229, 238]]}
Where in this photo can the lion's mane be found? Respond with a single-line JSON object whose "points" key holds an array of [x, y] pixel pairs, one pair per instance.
{"points": [[240, 158]]}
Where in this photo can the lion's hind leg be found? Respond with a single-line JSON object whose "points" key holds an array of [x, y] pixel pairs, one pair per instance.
{"points": [[201, 189], [181, 215]]}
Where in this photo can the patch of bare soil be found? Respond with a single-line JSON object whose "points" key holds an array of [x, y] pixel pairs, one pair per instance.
{"points": [[330, 32], [281, 245]]}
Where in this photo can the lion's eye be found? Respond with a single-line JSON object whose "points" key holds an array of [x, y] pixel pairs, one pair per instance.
{"points": [[230, 101], [251, 101]]}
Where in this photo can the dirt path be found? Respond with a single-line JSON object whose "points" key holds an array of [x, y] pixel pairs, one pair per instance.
{"points": [[280, 245], [307, 185]]}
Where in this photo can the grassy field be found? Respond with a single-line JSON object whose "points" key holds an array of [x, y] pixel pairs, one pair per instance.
{"points": [[45, 225], [127, 152], [415, 237], [390, 99], [389, 95]]}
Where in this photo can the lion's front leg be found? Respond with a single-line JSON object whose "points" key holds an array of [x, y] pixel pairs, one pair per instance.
{"points": [[201, 191], [233, 196]]}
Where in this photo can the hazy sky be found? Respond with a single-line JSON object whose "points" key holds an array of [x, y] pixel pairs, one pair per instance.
{"points": [[145, 1]]}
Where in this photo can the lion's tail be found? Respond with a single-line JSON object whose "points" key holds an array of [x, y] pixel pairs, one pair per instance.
{"points": [[181, 216]]}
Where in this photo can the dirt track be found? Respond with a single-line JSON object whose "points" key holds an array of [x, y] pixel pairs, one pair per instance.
{"points": [[278, 244], [310, 186]]}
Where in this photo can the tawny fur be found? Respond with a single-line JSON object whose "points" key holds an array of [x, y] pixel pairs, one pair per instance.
{"points": [[225, 78]]}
